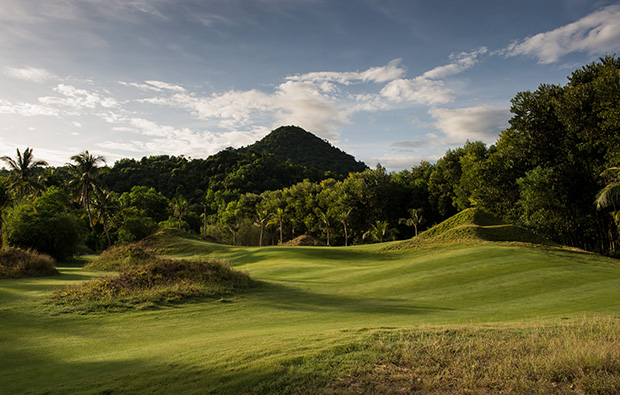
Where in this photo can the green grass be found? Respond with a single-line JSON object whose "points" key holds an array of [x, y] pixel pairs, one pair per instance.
{"points": [[347, 320]]}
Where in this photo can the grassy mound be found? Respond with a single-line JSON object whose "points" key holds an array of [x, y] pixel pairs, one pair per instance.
{"points": [[158, 282], [120, 258], [304, 240], [17, 262], [472, 225]]}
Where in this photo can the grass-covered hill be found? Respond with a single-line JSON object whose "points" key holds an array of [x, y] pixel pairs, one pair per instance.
{"points": [[472, 226], [477, 317], [295, 145]]}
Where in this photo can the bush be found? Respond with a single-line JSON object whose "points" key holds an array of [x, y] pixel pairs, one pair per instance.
{"points": [[46, 225], [16, 262]]}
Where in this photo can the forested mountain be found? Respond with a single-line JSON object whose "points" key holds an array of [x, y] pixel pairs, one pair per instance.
{"points": [[286, 156], [294, 145]]}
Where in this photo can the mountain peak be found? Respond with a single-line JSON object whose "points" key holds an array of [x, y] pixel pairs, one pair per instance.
{"points": [[298, 146]]}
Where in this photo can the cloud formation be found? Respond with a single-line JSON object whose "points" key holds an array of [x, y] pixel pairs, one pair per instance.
{"points": [[473, 123], [597, 33], [29, 74]]}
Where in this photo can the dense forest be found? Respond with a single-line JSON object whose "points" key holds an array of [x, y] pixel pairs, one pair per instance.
{"points": [[554, 171]]}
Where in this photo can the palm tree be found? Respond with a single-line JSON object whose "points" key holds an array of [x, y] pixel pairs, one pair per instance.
{"points": [[262, 217], [610, 195], [84, 171], [180, 208], [23, 166], [344, 217], [278, 218], [5, 200], [380, 231], [326, 222], [105, 205], [414, 219]]}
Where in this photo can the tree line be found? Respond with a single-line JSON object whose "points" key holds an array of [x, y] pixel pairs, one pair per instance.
{"points": [[554, 170]]}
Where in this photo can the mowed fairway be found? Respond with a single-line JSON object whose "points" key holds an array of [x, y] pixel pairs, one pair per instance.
{"points": [[314, 310]]}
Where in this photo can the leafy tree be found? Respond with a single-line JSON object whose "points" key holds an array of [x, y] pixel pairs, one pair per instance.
{"points": [[149, 201], [134, 225], [5, 200], [84, 178], [47, 225], [23, 169]]}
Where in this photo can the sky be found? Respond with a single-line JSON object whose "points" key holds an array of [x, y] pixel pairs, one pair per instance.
{"points": [[393, 82]]}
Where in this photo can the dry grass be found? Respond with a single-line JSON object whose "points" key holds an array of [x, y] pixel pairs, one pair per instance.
{"points": [[17, 262], [155, 282], [577, 358]]}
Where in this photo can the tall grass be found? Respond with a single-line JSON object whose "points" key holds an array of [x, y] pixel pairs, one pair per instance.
{"points": [[17, 262], [156, 282], [577, 358]]}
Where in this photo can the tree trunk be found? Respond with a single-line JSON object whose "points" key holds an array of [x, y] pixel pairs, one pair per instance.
{"points": [[260, 240], [281, 232]]}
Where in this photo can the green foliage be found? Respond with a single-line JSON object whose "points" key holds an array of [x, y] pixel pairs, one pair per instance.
{"points": [[148, 201], [156, 282], [134, 225], [545, 169], [17, 262], [46, 225]]}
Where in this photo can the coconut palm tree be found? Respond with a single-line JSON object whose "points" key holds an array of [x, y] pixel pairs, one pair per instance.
{"points": [[610, 195], [105, 205], [262, 217], [380, 231], [23, 168], [84, 171], [344, 217], [415, 219], [180, 207]]}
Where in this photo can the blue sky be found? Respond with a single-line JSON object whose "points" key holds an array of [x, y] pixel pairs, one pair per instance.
{"points": [[389, 81]]}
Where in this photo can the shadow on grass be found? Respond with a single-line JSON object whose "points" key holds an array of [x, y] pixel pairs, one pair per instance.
{"points": [[36, 373], [284, 297], [315, 255]]}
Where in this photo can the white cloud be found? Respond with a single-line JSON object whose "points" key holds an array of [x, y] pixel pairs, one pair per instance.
{"points": [[474, 123], [157, 86], [418, 90], [77, 99], [460, 63], [166, 139], [29, 74], [597, 33], [374, 74], [26, 109]]}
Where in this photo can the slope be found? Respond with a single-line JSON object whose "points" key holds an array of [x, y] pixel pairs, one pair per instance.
{"points": [[472, 226]]}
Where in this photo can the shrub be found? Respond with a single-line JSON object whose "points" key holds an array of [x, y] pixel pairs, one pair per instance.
{"points": [[46, 225], [17, 262], [159, 282]]}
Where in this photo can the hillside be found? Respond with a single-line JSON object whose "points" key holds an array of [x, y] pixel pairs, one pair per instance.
{"points": [[295, 145], [472, 226]]}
